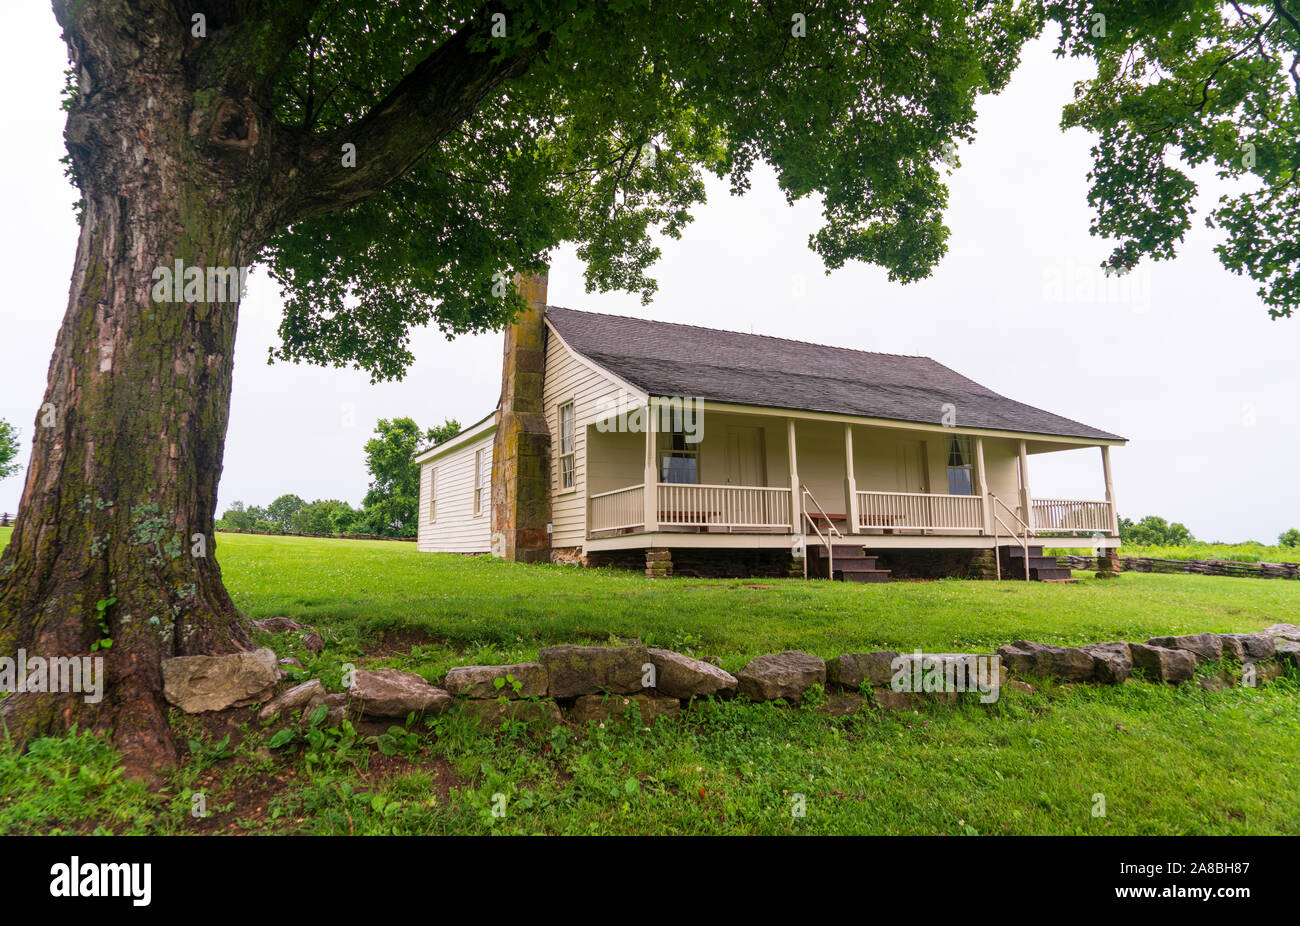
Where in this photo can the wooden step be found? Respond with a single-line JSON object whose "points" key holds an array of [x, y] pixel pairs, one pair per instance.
{"points": [[1035, 562], [862, 575], [817, 566], [857, 563], [1049, 573], [817, 550], [1015, 551]]}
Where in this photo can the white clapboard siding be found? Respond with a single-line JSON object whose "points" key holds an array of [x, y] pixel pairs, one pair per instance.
{"points": [[457, 529], [570, 379]]}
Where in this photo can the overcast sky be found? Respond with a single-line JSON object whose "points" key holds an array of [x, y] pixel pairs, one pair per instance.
{"points": [[1180, 357]]}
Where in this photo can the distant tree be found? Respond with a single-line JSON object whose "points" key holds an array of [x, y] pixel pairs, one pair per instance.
{"points": [[1153, 531], [8, 449], [326, 516], [259, 520], [392, 504], [445, 431], [1289, 538], [281, 511], [236, 518]]}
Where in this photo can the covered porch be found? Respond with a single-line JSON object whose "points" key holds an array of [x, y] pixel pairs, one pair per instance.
{"points": [[736, 476]]}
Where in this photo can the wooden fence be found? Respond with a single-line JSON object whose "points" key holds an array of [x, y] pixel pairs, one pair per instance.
{"points": [[1200, 567], [235, 530], [6, 519]]}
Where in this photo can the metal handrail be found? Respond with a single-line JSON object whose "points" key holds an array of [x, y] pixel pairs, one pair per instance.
{"points": [[1023, 541], [830, 529]]}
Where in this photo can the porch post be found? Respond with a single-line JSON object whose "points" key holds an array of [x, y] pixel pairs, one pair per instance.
{"points": [[981, 485], [796, 503], [1026, 502], [850, 481], [1110, 489], [651, 491]]}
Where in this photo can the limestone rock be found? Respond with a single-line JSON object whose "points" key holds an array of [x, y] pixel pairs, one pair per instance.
{"points": [[1163, 664], [1025, 657], [679, 676], [478, 681], [214, 683], [1288, 651], [295, 698], [602, 708], [338, 708], [781, 675], [1208, 647], [1248, 647], [1284, 632], [853, 669], [959, 671], [1111, 662], [582, 670], [393, 693]]}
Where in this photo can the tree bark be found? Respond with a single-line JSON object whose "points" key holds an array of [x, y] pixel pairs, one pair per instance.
{"points": [[121, 486], [181, 165]]}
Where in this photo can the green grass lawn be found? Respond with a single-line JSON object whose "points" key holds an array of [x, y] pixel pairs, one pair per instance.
{"points": [[1168, 760], [492, 609]]}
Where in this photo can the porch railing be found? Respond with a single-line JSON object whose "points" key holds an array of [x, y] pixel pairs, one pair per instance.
{"points": [[763, 507], [920, 511], [1059, 515], [723, 506], [620, 509]]}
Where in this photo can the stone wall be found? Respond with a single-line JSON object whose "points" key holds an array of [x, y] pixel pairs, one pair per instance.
{"points": [[608, 683], [1202, 567]]}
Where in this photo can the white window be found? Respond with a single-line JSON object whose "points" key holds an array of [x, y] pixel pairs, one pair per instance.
{"points": [[960, 468], [433, 495], [567, 455], [478, 482], [679, 460]]}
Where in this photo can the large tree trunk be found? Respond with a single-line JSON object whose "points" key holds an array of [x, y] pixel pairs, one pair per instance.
{"points": [[178, 158], [121, 486]]}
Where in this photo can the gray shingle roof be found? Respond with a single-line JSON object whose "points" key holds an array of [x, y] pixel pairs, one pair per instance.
{"points": [[666, 359]]}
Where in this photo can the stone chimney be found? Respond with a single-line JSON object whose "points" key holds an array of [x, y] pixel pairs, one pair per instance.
{"points": [[521, 449]]}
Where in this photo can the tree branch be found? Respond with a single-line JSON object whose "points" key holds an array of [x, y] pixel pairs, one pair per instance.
{"points": [[260, 34], [438, 95]]}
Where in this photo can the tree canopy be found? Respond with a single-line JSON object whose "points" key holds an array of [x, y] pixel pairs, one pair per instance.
{"points": [[1179, 85], [392, 504], [605, 140], [8, 449], [1154, 531]]}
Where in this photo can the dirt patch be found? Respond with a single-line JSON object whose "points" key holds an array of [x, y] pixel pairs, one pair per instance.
{"points": [[400, 642]]}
